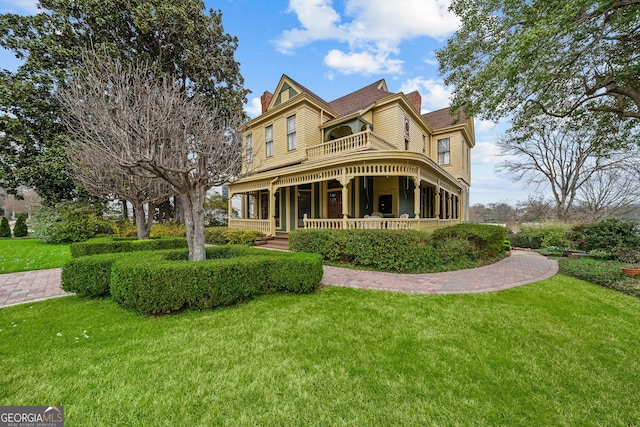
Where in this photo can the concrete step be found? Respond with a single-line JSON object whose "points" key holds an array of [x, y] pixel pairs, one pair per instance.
{"points": [[280, 241]]}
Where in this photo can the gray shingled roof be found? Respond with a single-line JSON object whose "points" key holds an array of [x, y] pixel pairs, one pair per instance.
{"points": [[440, 119], [359, 99], [310, 93]]}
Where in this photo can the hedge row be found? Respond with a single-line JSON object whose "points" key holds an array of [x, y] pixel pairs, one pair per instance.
{"points": [[226, 235], [486, 240], [103, 245], [410, 251], [603, 273], [159, 282]]}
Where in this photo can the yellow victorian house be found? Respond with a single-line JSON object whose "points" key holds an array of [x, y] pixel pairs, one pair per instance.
{"points": [[368, 159]]}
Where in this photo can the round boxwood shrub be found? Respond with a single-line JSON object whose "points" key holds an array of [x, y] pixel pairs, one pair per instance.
{"points": [[20, 227], [5, 229]]}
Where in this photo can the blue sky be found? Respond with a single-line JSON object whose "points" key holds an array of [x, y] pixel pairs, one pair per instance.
{"points": [[336, 47]]}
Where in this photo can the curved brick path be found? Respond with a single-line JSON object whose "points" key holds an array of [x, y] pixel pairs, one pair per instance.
{"points": [[28, 286], [520, 268]]}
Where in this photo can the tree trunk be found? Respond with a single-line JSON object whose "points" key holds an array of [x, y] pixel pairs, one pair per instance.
{"points": [[193, 208], [143, 227], [125, 210], [179, 209]]}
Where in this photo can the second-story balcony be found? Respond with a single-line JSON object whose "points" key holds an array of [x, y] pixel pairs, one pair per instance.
{"points": [[365, 140]]}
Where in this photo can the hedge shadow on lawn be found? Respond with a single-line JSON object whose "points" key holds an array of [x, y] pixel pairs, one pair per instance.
{"points": [[161, 282]]}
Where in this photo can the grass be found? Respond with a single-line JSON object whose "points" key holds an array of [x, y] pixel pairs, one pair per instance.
{"points": [[561, 352], [31, 254]]}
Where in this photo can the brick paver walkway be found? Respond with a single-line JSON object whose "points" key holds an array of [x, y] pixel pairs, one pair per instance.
{"points": [[30, 286], [520, 268]]}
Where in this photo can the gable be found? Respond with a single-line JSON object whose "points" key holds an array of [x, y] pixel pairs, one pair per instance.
{"points": [[286, 92]]}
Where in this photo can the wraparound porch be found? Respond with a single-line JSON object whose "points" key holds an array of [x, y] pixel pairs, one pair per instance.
{"points": [[401, 195]]}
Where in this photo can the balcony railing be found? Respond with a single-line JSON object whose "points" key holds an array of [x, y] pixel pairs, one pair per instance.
{"points": [[356, 142]]}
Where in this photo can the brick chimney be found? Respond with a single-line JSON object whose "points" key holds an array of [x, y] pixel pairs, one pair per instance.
{"points": [[415, 99], [265, 99]]}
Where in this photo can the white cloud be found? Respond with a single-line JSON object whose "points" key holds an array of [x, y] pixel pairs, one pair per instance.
{"points": [[485, 153], [254, 108], [372, 29], [484, 125], [435, 95], [30, 6], [365, 63]]}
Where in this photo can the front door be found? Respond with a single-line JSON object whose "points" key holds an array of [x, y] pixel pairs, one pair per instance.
{"points": [[335, 204]]}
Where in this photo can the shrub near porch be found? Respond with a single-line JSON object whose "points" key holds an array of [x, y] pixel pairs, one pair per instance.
{"points": [[409, 251]]}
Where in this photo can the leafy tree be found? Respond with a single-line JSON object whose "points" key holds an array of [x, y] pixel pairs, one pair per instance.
{"points": [[69, 221], [560, 56], [217, 210], [148, 126], [5, 229], [175, 37], [20, 227]]}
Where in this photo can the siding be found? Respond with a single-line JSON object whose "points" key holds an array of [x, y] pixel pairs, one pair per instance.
{"points": [[307, 134]]}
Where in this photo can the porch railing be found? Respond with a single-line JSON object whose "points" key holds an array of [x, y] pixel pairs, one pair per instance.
{"points": [[355, 142], [426, 224], [250, 224]]}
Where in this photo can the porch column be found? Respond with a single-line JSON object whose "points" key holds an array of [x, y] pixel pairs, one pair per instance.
{"points": [[450, 205], [345, 200], [272, 210], [437, 201], [243, 203], [416, 196]]}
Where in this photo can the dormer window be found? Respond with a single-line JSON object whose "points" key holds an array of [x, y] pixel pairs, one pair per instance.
{"points": [[268, 138]]}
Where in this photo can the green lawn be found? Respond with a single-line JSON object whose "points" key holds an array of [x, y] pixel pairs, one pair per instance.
{"points": [[31, 254], [557, 353]]}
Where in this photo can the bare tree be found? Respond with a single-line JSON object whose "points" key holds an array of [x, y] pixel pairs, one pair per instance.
{"points": [[103, 178], [25, 201], [536, 209], [611, 192], [556, 153], [150, 127]]}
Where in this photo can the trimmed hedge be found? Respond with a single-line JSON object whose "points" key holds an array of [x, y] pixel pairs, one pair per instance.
{"points": [[225, 235], [410, 251], [603, 273], [536, 236], [159, 282], [103, 245], [486, 240]]}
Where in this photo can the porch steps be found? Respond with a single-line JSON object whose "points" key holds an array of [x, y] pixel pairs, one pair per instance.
{"points": [[279, 242]]}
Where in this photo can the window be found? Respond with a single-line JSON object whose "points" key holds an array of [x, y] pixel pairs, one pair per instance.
{"points": [[268, 137], [444, 151], [249, 148], [406, 125], [291, 132], [424, 144], [406, 144]]}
